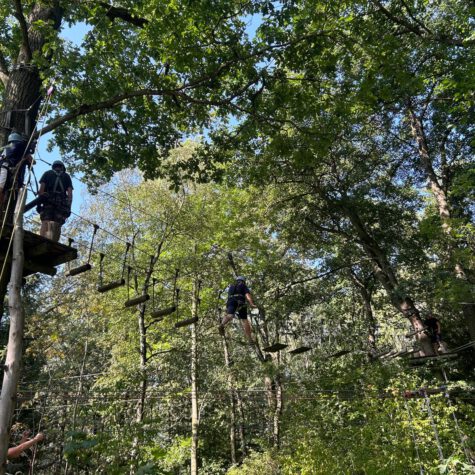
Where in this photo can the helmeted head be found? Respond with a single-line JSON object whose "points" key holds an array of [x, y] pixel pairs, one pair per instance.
{"points": [[15, 137], [240, 278], [58, 165]]}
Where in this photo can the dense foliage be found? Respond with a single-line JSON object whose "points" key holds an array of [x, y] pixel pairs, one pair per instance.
{"points": [[331, 163]]}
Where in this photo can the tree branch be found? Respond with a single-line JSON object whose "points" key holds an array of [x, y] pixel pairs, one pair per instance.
{"points": [[4, 72], [123, 14], [422, 32], [24, 29]]}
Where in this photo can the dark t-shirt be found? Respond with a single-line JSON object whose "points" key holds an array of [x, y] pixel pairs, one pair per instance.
{"points": [[238, 291], [49, 179], [14, 152], [431, 324]]}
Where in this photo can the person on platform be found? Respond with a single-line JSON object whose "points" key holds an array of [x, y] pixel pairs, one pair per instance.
{"points": [[56, 194]]}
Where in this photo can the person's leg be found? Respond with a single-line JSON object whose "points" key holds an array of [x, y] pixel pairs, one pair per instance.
{"points": [[230, 309], [227, 318], [246, 326], [3, 182]]}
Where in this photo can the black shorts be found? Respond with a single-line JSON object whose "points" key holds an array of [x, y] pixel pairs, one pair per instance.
{"points": [[435, 338], [233, 306], [55, 209]]}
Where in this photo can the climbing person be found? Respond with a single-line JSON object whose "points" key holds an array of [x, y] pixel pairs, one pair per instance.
{"points": [[433, 329], [16, 157], [16, 451], [56, 194], [238, 297]]}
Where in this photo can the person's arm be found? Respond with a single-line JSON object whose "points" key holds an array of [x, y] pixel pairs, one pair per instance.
{"points": [[15, 452], [249, 299], [69, 194], [438, 326], [42, 188]]}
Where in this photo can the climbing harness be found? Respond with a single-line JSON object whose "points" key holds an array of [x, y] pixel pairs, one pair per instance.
{"points": [[101, 288], [87, 266]]}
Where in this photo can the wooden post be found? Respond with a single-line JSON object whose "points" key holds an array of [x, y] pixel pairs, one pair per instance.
{"points": [[194, 388], [15, 338]]}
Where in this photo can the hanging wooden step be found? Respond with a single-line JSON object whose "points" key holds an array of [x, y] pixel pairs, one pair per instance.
{"points": [[79, 270], [185, 323], [111, 286], [299, 350], [41, 254], [137, 300], [274, 348], [163, 312]]}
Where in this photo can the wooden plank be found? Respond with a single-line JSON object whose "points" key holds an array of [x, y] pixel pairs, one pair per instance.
{"points": [[299, 350], [111, 286], [137, 300], [38, 250], [163, 312], [185, 323], [274, 348]]}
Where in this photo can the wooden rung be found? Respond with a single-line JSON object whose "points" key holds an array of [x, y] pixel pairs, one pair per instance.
{"points": [[79, 270], [111, 286], [185, 323], [163, 312], [275, 347], [137, 300], [300, 349]]}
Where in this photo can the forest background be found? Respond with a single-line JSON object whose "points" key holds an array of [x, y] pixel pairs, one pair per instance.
{"points": [[327, 156]]}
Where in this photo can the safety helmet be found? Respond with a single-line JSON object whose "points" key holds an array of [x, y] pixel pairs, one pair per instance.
{"points": [[240, 277], [15, 137], [58, 163]]}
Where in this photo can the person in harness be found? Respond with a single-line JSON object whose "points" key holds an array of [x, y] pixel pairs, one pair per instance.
{"points": [[56, 197], [433, 329], [238, 297], [16, 157]]}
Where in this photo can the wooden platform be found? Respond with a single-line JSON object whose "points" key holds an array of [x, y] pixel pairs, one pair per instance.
{"points": [[41, 254]]}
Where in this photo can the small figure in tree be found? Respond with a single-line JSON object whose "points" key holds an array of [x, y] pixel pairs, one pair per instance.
{"points": [[434, 332], [16, 157], [56, 193], [238, 297]]}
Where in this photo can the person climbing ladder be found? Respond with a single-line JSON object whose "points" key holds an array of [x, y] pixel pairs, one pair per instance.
{"points": [[56, 191], [16, 157]]}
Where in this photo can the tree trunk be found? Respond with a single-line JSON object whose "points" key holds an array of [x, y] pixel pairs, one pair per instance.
{"points": [[13, 360], [22, 96], [232, 401], [365, 293], [194, 386], [143, 364], [277, 412], [439, 191], [387, 277], [240, 426]]}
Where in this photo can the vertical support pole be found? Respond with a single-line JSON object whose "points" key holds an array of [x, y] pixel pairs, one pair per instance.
{"points": [[194, 385], [15, 337]]}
